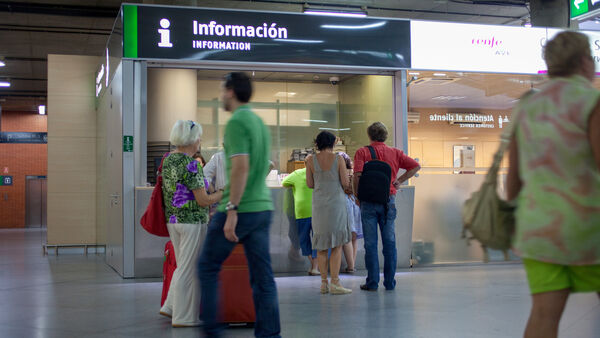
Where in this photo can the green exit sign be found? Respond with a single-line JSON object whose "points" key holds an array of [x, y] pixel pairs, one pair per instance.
{"points": [[579, 7], [587, 8], [127, 143]]}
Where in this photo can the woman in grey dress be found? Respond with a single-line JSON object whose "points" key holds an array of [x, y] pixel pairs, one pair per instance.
{"points": [[326, 174]]}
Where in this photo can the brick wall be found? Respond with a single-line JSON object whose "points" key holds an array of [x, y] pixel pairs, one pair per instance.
{"points": [[21, 160]]}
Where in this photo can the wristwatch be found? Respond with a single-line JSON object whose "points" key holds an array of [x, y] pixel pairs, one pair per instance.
{"points": [[230, 206]]}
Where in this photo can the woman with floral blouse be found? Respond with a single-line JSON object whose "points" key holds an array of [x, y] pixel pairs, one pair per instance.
{"points": [[186, 208]]}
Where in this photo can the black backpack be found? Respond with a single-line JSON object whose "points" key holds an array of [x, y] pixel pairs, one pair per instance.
{"points": [[375, 180]]}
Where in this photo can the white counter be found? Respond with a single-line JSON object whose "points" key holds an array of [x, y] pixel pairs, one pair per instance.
{"points": [[149, 249]]}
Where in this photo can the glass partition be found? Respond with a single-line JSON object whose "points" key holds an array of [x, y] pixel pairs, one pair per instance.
{"points": [[455, 123], [364, 100], [296, 107]]}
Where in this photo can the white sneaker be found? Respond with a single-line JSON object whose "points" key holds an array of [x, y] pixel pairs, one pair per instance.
{"points": [[314, 272], [164, 311]]}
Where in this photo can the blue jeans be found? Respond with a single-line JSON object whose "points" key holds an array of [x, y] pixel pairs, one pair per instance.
{"points": [[304, 228], [372, 215], [253, 231]]}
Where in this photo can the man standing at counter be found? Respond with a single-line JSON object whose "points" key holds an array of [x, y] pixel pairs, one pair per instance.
{"points": [[373, 213], [244, 214]]}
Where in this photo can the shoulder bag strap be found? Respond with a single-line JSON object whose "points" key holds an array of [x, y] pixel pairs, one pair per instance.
{"points": [[159, 171], [505, 138]]}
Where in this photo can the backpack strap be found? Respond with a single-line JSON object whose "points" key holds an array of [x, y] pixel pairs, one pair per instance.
{"points": [[373, 154]]}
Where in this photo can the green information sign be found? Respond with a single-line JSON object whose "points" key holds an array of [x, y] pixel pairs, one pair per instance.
{"points": [[579, 7], [6, 180], [127, 144]]}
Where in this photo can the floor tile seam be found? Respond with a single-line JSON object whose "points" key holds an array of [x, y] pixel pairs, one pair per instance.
{"points": [[53, 283], [88, 330], [587, 314], [44, 329], [38, 329], [48, 286], [147, 320], [562, 329]]}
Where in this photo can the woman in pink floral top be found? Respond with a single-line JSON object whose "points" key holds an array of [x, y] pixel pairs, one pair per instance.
{"points": [[186, 208], [554, 177]]}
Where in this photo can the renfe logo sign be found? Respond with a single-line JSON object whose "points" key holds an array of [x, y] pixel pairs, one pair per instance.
{"points": [[477, 48], [177, 33], [493, 42]]}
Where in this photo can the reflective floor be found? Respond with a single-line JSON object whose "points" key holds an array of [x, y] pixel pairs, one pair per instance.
{"points": [[79, 296]]}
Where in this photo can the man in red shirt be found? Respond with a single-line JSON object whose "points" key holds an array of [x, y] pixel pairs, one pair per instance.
{"points": [[373, 214]]}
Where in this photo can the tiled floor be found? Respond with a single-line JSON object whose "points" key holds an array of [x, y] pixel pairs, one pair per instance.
{"points": [[78, 296]]}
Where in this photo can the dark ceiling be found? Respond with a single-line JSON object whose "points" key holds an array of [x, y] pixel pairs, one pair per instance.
{"points": [[31, 30]]}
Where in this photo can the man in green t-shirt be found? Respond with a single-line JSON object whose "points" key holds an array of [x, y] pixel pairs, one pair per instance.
{"points": [[303, 211], [244, 214]]}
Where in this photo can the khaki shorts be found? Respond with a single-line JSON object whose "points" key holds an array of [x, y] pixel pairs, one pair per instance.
{"points": [[545, 277]]}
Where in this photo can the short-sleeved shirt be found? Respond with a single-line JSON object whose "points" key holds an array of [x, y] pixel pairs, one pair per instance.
{"points": [[394, 157], [182, 174], [302, 193], [558, 206], [246, 134]]}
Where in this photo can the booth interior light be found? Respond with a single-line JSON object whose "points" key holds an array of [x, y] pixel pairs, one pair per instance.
{"points": [[334, 129], [448, 97], [42, 109], [439, 74], [372, 25], [4, 84], [315, 121], [2, 64], [332, 12], [285, 94], [414, 73]]}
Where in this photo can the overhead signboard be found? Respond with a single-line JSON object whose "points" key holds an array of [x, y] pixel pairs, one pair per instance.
{"points": [[478, 48], [595, 47], [23, 137], [177, 33], [593, 36]]}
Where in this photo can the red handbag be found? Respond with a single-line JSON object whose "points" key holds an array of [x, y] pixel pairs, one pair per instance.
{"points": [[154, 219], [169, 267]]}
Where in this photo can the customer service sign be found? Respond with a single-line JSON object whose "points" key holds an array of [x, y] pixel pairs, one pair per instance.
{"points": [[179, 33]]}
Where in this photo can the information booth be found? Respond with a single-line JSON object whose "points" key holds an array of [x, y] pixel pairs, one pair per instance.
{"points": [[310, 73], [444, 90]]}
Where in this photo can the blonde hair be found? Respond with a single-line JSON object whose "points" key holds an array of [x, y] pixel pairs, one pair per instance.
{"points": [[563, 53], [185, 133]]}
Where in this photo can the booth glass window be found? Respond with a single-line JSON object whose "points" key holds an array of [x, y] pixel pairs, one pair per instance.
{"points": [[295, 107], [454, 125]]}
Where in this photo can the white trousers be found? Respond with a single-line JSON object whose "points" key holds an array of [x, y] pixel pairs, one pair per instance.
{"points": [[183, 299]]}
